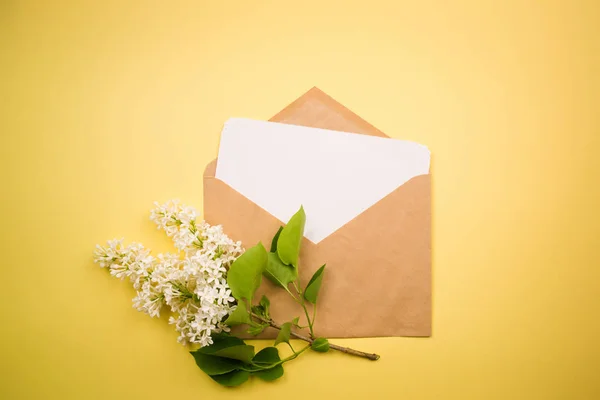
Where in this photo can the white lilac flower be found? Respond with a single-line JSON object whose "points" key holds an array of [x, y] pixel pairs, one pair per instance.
{"points": [[131, 261], [191, 284]]}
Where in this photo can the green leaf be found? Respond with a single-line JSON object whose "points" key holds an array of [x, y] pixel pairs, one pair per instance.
{"points": [[296, 321], [221, 342], [262, 309], [218, 336], [270, 374], [213, 365], [242, 352], [245, 273], [312, 289], [290, 238], [258, 310], [268, 355], [265, 303], [229, 347], [321, 345], [284, 334], [265, 357], [253, 367], [234, 378], [278, 272], [239, 316], [256, 329], [274, 241]]}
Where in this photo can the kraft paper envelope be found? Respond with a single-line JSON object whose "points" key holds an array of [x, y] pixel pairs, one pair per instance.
{"points": [[378, 275]]}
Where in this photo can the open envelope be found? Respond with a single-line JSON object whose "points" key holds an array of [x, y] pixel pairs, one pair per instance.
{"points": [[378, 276]]}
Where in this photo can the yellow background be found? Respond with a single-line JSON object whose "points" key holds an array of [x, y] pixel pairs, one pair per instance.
{"points": [[107, 106]]}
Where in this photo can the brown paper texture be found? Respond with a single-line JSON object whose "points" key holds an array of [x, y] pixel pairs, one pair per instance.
{"points": [[378, 276]]}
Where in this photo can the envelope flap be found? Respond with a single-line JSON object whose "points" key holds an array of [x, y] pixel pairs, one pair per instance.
{"points": [[316, 109]]}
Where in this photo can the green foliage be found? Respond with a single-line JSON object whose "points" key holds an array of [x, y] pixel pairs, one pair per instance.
{"points": [[268, 355], [230, 362], [265, 303], [321, 345], [221, 341], [243, 353], [233, 378], [284, 334], [244, 275], [214, 365], [239, 316], [256, 329], [290, 238], [278, 272], [270, 374], [229, 347], [312, 289], [282, 261], [274, 241], [262, 309]]}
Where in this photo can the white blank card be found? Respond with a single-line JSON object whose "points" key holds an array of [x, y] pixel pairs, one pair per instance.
{"points": [[334, 175]]}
